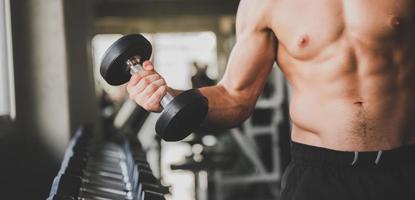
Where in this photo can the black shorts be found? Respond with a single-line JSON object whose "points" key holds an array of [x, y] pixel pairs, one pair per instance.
{"points": [[323, 174]]}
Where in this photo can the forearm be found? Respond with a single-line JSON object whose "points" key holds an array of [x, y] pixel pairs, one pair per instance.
{"points": [[226, 110]]}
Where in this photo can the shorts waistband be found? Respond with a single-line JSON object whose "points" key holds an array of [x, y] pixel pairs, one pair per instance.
{"points": [[306, 153]]}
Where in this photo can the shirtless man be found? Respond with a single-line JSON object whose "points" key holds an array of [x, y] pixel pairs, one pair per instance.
{"points": [[351, 65]]}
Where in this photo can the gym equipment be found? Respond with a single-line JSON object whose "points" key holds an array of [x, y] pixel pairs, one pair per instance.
{"points": [[181, 114], [105, 169]]}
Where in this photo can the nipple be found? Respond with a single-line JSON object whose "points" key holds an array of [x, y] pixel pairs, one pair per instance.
{"points": [[303, 41], [395, 22]]}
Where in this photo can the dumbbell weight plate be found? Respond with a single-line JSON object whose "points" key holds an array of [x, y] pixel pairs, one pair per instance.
{"points": [[122, 50], [183, 115]]}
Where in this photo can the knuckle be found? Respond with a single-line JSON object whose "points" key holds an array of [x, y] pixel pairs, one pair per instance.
{"points": [[152, 87], [137, 78], [155, 108], [148, 106], [145, 106], [139, 100], [157, 97], [156, 100], [160, 81], [132, 96], [155, 77], [131, 91], [146, 80], [160, 95]]}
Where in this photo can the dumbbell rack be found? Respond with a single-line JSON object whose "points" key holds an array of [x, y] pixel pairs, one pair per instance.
{"points": [[105, 169]]}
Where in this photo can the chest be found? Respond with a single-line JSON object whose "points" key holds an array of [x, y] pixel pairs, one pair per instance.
{"points": [[304, 26]]}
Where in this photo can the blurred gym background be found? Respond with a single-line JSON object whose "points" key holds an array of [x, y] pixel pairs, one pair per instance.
{"points": [[50, 52]]}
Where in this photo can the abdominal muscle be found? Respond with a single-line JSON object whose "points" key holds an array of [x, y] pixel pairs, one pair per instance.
{"points": [[348, 125], [341, 104]]}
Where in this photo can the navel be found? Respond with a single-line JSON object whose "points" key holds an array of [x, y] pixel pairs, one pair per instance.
{"points": [[395, 22], [358, 103], [303, 41]]}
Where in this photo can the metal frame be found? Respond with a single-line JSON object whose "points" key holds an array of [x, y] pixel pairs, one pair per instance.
{"points": [[248, 146], [6, 63]]}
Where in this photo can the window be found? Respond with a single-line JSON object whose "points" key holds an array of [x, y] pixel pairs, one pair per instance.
{"points": [[174, 55], [6, 70]]}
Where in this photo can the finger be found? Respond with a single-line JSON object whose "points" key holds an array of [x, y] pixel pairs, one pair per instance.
{"points": [[143, 83], [133, 91], [155, 99], [135, 78], [151, 88], [148, 65]]}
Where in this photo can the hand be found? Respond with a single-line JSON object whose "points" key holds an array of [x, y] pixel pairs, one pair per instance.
{"points": [[147, 88]]}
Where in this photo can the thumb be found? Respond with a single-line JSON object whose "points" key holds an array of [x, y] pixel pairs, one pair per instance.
{"points": [[148, 65]]}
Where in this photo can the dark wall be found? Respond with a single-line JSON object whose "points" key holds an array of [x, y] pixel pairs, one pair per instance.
{"points": [[28, 164], [54, 93], [78, 22]]}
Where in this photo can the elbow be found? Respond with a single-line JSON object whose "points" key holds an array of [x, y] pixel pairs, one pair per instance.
{"points": [[228, 107], [245, 111], [239, 118], [243, 103], [241, 113]]}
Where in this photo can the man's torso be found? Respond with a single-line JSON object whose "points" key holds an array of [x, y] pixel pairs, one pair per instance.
{"points": [[351, 65]]}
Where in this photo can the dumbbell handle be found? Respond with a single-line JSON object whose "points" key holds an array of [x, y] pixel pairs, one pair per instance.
{"points": [[135, 66]]}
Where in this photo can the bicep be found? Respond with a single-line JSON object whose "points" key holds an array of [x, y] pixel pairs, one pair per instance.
{"points": [[250, 64]]}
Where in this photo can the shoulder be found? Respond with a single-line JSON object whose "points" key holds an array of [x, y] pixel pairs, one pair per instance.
{"points": [[253, 15]]}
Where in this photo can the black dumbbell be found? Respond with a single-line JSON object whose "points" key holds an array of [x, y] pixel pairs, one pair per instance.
{"points": [[75, 186], [182, 114], [150, 195], [58, 197]]}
